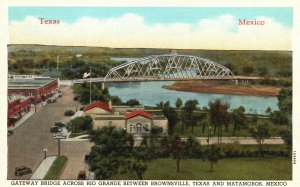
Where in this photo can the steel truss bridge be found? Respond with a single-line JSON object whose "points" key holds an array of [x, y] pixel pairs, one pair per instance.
{"points": [[168, 67]]}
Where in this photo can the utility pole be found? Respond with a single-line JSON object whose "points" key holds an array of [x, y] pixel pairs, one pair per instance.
{"points": [[90, 85], [57, 59], [58, 147]]}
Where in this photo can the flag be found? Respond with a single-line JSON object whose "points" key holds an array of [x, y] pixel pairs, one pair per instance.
{"points": [[86, 74]]}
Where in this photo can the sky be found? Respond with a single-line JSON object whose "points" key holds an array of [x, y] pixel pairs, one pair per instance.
{"points": [[146, 27]]}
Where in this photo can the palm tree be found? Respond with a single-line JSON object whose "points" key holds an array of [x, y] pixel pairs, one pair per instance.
{"points": [[179, 106], [177, 150]]}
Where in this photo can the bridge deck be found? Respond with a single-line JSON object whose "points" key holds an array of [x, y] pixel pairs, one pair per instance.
{"points": [[101, 79]]}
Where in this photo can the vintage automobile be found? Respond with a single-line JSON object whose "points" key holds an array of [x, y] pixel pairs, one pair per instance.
{"points": [[69, 113], [55, 129], [22, 170], [59, 124], [81, 175]]}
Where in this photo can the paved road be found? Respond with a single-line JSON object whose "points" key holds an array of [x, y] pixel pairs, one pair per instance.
{"points": [[75, 151], [26, 145]]}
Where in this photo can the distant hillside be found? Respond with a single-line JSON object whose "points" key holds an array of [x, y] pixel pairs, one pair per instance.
{"points": [[274, 63]]}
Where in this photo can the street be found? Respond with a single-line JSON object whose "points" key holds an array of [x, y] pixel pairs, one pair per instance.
{"points": [[26, 145]]}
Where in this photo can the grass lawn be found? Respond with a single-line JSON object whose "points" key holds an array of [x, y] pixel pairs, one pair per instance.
{"points": [[279, 168], [56, 168]]}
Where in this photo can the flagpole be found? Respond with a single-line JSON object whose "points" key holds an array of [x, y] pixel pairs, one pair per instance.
{"points": [[90, 85]]}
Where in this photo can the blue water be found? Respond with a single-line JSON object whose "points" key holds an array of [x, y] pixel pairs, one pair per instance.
{"points": [[122, 59], [151, 93]]}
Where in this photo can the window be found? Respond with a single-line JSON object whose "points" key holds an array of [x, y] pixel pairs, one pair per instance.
{"points": [[130, 128], [138, 128]]}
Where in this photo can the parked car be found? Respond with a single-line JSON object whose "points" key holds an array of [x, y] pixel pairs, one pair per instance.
{"points": [[9, 132], [69, 113], [22, 170], [55, 129], [59, 136], [81, 175], [86, 158], [51, 101], [81, 108], [59, 124], [76, 98]]}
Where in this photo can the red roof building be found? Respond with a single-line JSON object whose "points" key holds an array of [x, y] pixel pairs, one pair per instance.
{"points": [[18, 106], [98, 104], [137, 113], [38, 89]]}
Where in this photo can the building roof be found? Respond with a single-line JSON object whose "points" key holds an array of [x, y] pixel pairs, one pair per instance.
{"points": [[12, 98], [137, 113], [99, 104], [109, 118], [32, 83]]}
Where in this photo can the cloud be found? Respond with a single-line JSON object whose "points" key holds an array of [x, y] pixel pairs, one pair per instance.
{"points": [[130, 30]]}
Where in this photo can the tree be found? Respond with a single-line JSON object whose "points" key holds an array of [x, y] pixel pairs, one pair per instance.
{"points": [[80, 124], [160, 104], [83, 91], [285, 100], [165, 146], [140, 168], [113, 149], [116, 100], [170, 114], [279, 118], [263, 71], [248, 70], [286, 135], [193, 148], [177, 150], [205, 123], [268, 111], [189, 118], [260, 134], [238, 119], [219, 115], [132, 102], [213, 154], [178, 104]]}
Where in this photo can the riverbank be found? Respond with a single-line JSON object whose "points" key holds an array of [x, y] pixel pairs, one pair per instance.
{"points": [[217, 87]]}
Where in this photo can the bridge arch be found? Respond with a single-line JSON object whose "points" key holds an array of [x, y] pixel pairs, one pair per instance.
{"points": [[169, 67]]}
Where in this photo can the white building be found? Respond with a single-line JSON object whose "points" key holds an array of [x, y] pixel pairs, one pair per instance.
{"points": [[134, 119]]}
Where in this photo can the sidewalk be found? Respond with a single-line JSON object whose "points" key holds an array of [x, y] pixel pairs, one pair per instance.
{"points": [[43, 168], [81, 138], [24, 118], [33, 110]]}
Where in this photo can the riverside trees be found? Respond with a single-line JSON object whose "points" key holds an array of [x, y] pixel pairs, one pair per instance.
{"points": [[219, 116], [260, 133]]}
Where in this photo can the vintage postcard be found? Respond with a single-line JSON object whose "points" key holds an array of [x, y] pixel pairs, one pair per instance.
{"points": [[184, 95]]}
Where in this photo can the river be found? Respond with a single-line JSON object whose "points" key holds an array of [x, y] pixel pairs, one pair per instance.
{"points": [[151, 93]]}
